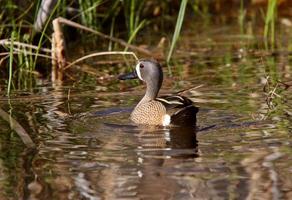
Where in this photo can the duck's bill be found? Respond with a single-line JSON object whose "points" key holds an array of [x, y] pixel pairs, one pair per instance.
{"points": [[132, 75]]}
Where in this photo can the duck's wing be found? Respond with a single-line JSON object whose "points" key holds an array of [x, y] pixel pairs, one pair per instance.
{"points": [[175, 101], [180, 108], [185, 116]]}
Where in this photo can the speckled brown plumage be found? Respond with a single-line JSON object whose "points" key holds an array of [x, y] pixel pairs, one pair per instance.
{"points": [[150, 113]]}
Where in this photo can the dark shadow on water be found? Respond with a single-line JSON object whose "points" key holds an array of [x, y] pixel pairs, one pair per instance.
{"points": [[124, 127], [110, 111]]}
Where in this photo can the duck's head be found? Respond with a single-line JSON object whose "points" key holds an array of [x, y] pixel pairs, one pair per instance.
{"points": [[148, 71]]}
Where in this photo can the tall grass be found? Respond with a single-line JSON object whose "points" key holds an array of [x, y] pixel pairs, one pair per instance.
{"points": [[112, 15], [241, 17], [43, 32], [132, 16], [10, 64], [178, 26], [201, 7], [136, 30], [99, 13], [132, 10], [89, 13], [269, 31]]}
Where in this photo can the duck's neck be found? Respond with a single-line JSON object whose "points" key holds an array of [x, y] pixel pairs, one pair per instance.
{"points": [[152, 89]]}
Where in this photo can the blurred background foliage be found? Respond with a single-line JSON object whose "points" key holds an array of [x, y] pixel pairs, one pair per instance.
{"points": [[133, 21]]}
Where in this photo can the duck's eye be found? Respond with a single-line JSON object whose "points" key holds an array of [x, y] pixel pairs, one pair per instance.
{"points": [[141, 65]]}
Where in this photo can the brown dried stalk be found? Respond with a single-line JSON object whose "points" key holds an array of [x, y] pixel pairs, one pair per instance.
{"points": [[100, 54], [117, 40]]}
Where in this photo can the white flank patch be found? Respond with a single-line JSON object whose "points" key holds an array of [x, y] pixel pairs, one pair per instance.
{"points": [[138, 71], [166, 120]]}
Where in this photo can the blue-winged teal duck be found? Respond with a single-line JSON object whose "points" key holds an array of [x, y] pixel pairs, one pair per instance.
{"points": [[153, 110]]}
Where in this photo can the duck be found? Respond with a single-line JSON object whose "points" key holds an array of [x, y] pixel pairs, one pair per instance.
{"points": [[168, 110]]}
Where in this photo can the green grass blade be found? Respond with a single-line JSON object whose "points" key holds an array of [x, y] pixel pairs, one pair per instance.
{"points": [[178, 26], [269, 29], [43, 32], [10, 64], [132, 16], [134, 33]]}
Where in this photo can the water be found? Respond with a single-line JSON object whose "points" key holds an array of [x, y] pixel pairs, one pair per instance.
{"points": [[87, 148]]}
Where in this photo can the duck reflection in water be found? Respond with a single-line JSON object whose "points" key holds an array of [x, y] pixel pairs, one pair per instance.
{"points": [[160, 155]]}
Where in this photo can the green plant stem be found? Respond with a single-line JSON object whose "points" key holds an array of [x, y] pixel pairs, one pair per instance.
{"points": [[178, 26], [132, 15], [43, 32], [10, 64], [241, 17], [134, 33], [110, 45], [270, 23]]}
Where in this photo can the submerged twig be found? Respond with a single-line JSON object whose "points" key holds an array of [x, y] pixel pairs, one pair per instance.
{"points": [[14, 125], [271, 94], [274, 99], [269, 97], [100, 54]]}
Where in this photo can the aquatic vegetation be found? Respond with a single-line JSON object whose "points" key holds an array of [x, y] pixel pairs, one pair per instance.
{"points": [[270, 20], [241, 16], [276, 101], [56, 6], [10, 65], [201, 7], [88, 12], [123, 25], [132, 11]]}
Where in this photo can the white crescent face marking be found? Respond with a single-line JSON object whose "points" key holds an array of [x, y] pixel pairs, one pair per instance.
{"points": [[138, 71]]}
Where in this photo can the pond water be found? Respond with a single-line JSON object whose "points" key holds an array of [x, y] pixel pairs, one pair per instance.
{"points": [[87, 148]]}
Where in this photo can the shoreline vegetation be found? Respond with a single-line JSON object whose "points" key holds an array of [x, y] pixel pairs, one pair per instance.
{"points": [[34, 33]]}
